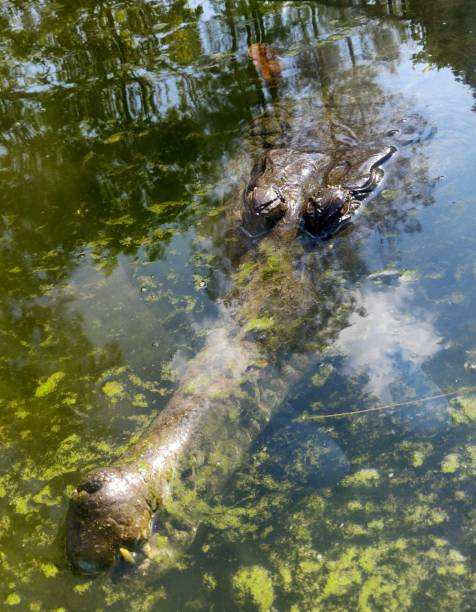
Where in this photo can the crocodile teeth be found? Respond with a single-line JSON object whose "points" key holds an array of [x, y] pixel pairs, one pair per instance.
{"points": [[127, 555]]}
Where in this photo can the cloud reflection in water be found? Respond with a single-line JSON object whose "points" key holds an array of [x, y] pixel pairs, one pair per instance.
{"points": [[387, 342]]}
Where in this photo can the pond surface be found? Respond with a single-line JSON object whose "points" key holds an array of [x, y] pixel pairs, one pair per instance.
{"points": [[127, 131]]}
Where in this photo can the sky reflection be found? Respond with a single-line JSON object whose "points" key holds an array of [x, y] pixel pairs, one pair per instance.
{"points": [[388, 341]]}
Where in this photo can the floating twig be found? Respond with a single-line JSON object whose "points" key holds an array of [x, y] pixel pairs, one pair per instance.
{"points": [[416, 400]]}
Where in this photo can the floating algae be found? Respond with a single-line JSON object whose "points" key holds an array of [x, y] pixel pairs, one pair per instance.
{"points": [[49, 385], [253, 589], [373, 543]]}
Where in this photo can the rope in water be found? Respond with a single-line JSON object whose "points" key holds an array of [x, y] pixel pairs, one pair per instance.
{"points": [[416, 400]]}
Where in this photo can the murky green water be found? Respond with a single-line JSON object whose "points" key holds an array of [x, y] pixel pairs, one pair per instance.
{"points": [[126, 132]]}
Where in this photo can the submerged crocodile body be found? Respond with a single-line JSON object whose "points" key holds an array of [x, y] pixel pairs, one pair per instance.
{"points": [[204, 428], [228, 394]]}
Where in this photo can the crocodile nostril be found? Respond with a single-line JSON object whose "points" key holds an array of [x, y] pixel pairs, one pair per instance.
{"points": [[90, 487]]}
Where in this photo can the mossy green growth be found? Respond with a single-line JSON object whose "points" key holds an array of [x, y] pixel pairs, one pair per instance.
{"points": [[272, 298], [253, 588], [209, 581], [12, 599], [417, 459], [450, 463], [468, 407], [320, 377], [374, 584], [49, 570], [344, 573], [171, 207], [82, 587], [49, 385], [259, 324], [46, 498], [21, 504], [113, 389], [365, 477]]}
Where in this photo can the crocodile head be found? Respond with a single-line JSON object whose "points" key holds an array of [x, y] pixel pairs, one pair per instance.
{"points": [[280, 185], [287, 186], [109, 514]]}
